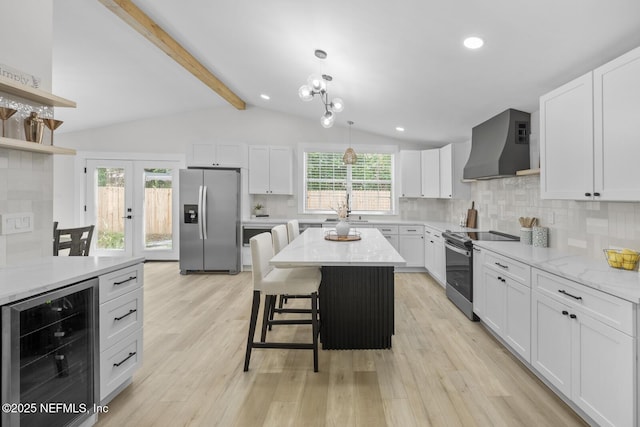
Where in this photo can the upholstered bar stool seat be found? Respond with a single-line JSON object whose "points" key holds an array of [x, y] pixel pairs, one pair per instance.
{"points": [[272, 281]]}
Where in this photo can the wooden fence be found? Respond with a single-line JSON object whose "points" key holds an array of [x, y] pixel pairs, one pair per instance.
{"points": [[158, 214], [368, 200]]}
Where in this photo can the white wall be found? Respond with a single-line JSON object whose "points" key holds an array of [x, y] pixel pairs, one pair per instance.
{"points": [[25, 178], [173, 135]]}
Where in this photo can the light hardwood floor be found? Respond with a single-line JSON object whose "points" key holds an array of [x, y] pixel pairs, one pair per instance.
{"points": [[443, 369]]}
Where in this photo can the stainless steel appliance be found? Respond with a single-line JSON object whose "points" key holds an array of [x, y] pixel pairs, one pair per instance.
{"points": [[210, 228], [459, 265], [49, 352]]}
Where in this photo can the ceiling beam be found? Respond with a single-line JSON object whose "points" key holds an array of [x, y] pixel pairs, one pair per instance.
{"points": [[137, 19]]}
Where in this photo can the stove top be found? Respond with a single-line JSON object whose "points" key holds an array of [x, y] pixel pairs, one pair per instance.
{"points": [[468, 237]]}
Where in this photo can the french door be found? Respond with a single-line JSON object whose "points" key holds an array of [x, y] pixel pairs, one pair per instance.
{"points": [[134, 207]]}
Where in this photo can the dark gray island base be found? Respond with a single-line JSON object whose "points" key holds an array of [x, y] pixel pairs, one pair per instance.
{"points": [[356, 307]]}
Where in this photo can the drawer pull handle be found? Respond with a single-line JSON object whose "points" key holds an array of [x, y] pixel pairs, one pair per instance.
{"points": [[131, 354], [411, 229], [125, 315], [565, 312], [562, 291], [506, 267], [125, 281], [573, 316]]}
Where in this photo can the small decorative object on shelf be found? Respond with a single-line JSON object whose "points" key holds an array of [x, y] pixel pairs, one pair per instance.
{"points": [[258, 209], [6, 113], [52, 124], [33, 128]]}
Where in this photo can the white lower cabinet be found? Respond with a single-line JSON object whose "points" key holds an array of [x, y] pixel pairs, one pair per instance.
{"points": [[504, 298], [434, 260], [590, 362], [121, 319], [411, 244]]}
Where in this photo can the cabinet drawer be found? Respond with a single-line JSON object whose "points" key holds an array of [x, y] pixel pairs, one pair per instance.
{"points": [[119, 362], [387, 229], [120, 282], [120, 317], [411, 229], [509, 267], [606, 308]]}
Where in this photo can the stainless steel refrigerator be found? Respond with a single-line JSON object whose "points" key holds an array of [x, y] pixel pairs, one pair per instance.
{"points": [[210, 236]]}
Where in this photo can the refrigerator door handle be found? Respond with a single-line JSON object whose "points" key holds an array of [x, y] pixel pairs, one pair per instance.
{"points": [[204, 212], [200, 212]]}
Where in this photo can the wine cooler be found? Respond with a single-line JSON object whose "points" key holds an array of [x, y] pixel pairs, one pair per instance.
{"points": [[49, 350]]}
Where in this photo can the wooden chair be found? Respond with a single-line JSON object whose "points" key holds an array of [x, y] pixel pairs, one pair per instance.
{"points": [[277, 281], [77, 240]]}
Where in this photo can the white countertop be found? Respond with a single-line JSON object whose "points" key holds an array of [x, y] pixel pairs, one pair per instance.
{"points": [[40, 275], [311, 249], [438, 225], [595, 274]]}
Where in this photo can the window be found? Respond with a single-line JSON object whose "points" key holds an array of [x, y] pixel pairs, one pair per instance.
{"points": [[368, 184]]}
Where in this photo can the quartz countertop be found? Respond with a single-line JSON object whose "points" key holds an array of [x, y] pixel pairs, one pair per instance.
{"points": [[595, 274], [311, 249], [438, 225], [45, 274]]}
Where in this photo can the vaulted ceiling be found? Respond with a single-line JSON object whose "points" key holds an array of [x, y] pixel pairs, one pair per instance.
{"points": [[398, 63]]}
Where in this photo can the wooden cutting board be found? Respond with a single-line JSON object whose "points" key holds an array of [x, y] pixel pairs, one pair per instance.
{"points": [[472, 216]]}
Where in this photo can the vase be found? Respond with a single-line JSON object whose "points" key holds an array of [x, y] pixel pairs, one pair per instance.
{"points": [[342, 228]]}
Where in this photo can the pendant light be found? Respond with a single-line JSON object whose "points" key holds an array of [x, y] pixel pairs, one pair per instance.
{"points": [[350, 157], [317, 85]]}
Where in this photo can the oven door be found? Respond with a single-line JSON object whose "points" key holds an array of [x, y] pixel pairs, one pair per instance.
{"points": [[459, 271]]}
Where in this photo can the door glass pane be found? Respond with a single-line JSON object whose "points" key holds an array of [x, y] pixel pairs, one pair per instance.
{"points": [[157, 209], [110, 208]]}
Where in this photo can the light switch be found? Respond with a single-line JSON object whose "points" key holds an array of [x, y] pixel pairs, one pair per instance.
{"points": [[12, 223]]}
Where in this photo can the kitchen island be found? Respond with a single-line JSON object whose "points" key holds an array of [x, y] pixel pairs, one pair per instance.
{"points": [[357, 288]]}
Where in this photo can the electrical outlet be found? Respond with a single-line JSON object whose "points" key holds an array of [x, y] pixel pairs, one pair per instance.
{"points": [[13, 223], [551, 218]]}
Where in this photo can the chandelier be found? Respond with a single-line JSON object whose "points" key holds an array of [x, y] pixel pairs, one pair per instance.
{"points": [[317, 85]]}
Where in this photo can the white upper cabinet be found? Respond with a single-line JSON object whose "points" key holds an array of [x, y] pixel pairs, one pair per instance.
{"points": [[411, 173], [435, 173], [566, 141], [453, 158], [270, 170], [431, 173], [616, 94], [588, 140], [232, 155]]}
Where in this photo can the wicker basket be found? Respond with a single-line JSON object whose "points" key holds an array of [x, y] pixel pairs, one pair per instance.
{"points": [[625, 259]]}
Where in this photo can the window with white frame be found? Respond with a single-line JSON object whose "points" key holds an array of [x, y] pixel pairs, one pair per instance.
{"points": [[367, 185]]}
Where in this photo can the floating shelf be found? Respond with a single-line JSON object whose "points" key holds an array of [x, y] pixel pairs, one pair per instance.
{"points": [[528, 172], [16, 144], [33, 94]]}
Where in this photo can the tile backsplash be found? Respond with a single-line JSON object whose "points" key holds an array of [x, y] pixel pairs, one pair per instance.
{"points": [[26, 185], [579, 227]]}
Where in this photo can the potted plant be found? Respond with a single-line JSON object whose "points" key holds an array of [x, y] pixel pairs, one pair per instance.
{"points": [[257, 209]]}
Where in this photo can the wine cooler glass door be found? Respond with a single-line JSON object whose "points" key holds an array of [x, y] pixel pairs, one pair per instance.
{"points": [[48, 357]]}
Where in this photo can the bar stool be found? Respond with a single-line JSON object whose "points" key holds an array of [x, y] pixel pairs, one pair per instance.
{"points": [[293, 229], [277, 281]]}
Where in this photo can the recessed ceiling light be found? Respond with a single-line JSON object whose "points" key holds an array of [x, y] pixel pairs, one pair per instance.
{"points": [[265, 96], [400, 129], [473, 42]]}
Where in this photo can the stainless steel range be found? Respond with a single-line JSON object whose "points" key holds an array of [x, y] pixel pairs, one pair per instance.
{"points": [[459, 265]]}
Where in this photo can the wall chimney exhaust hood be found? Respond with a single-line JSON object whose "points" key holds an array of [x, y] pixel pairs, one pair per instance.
{"points": [[499, 146]]}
